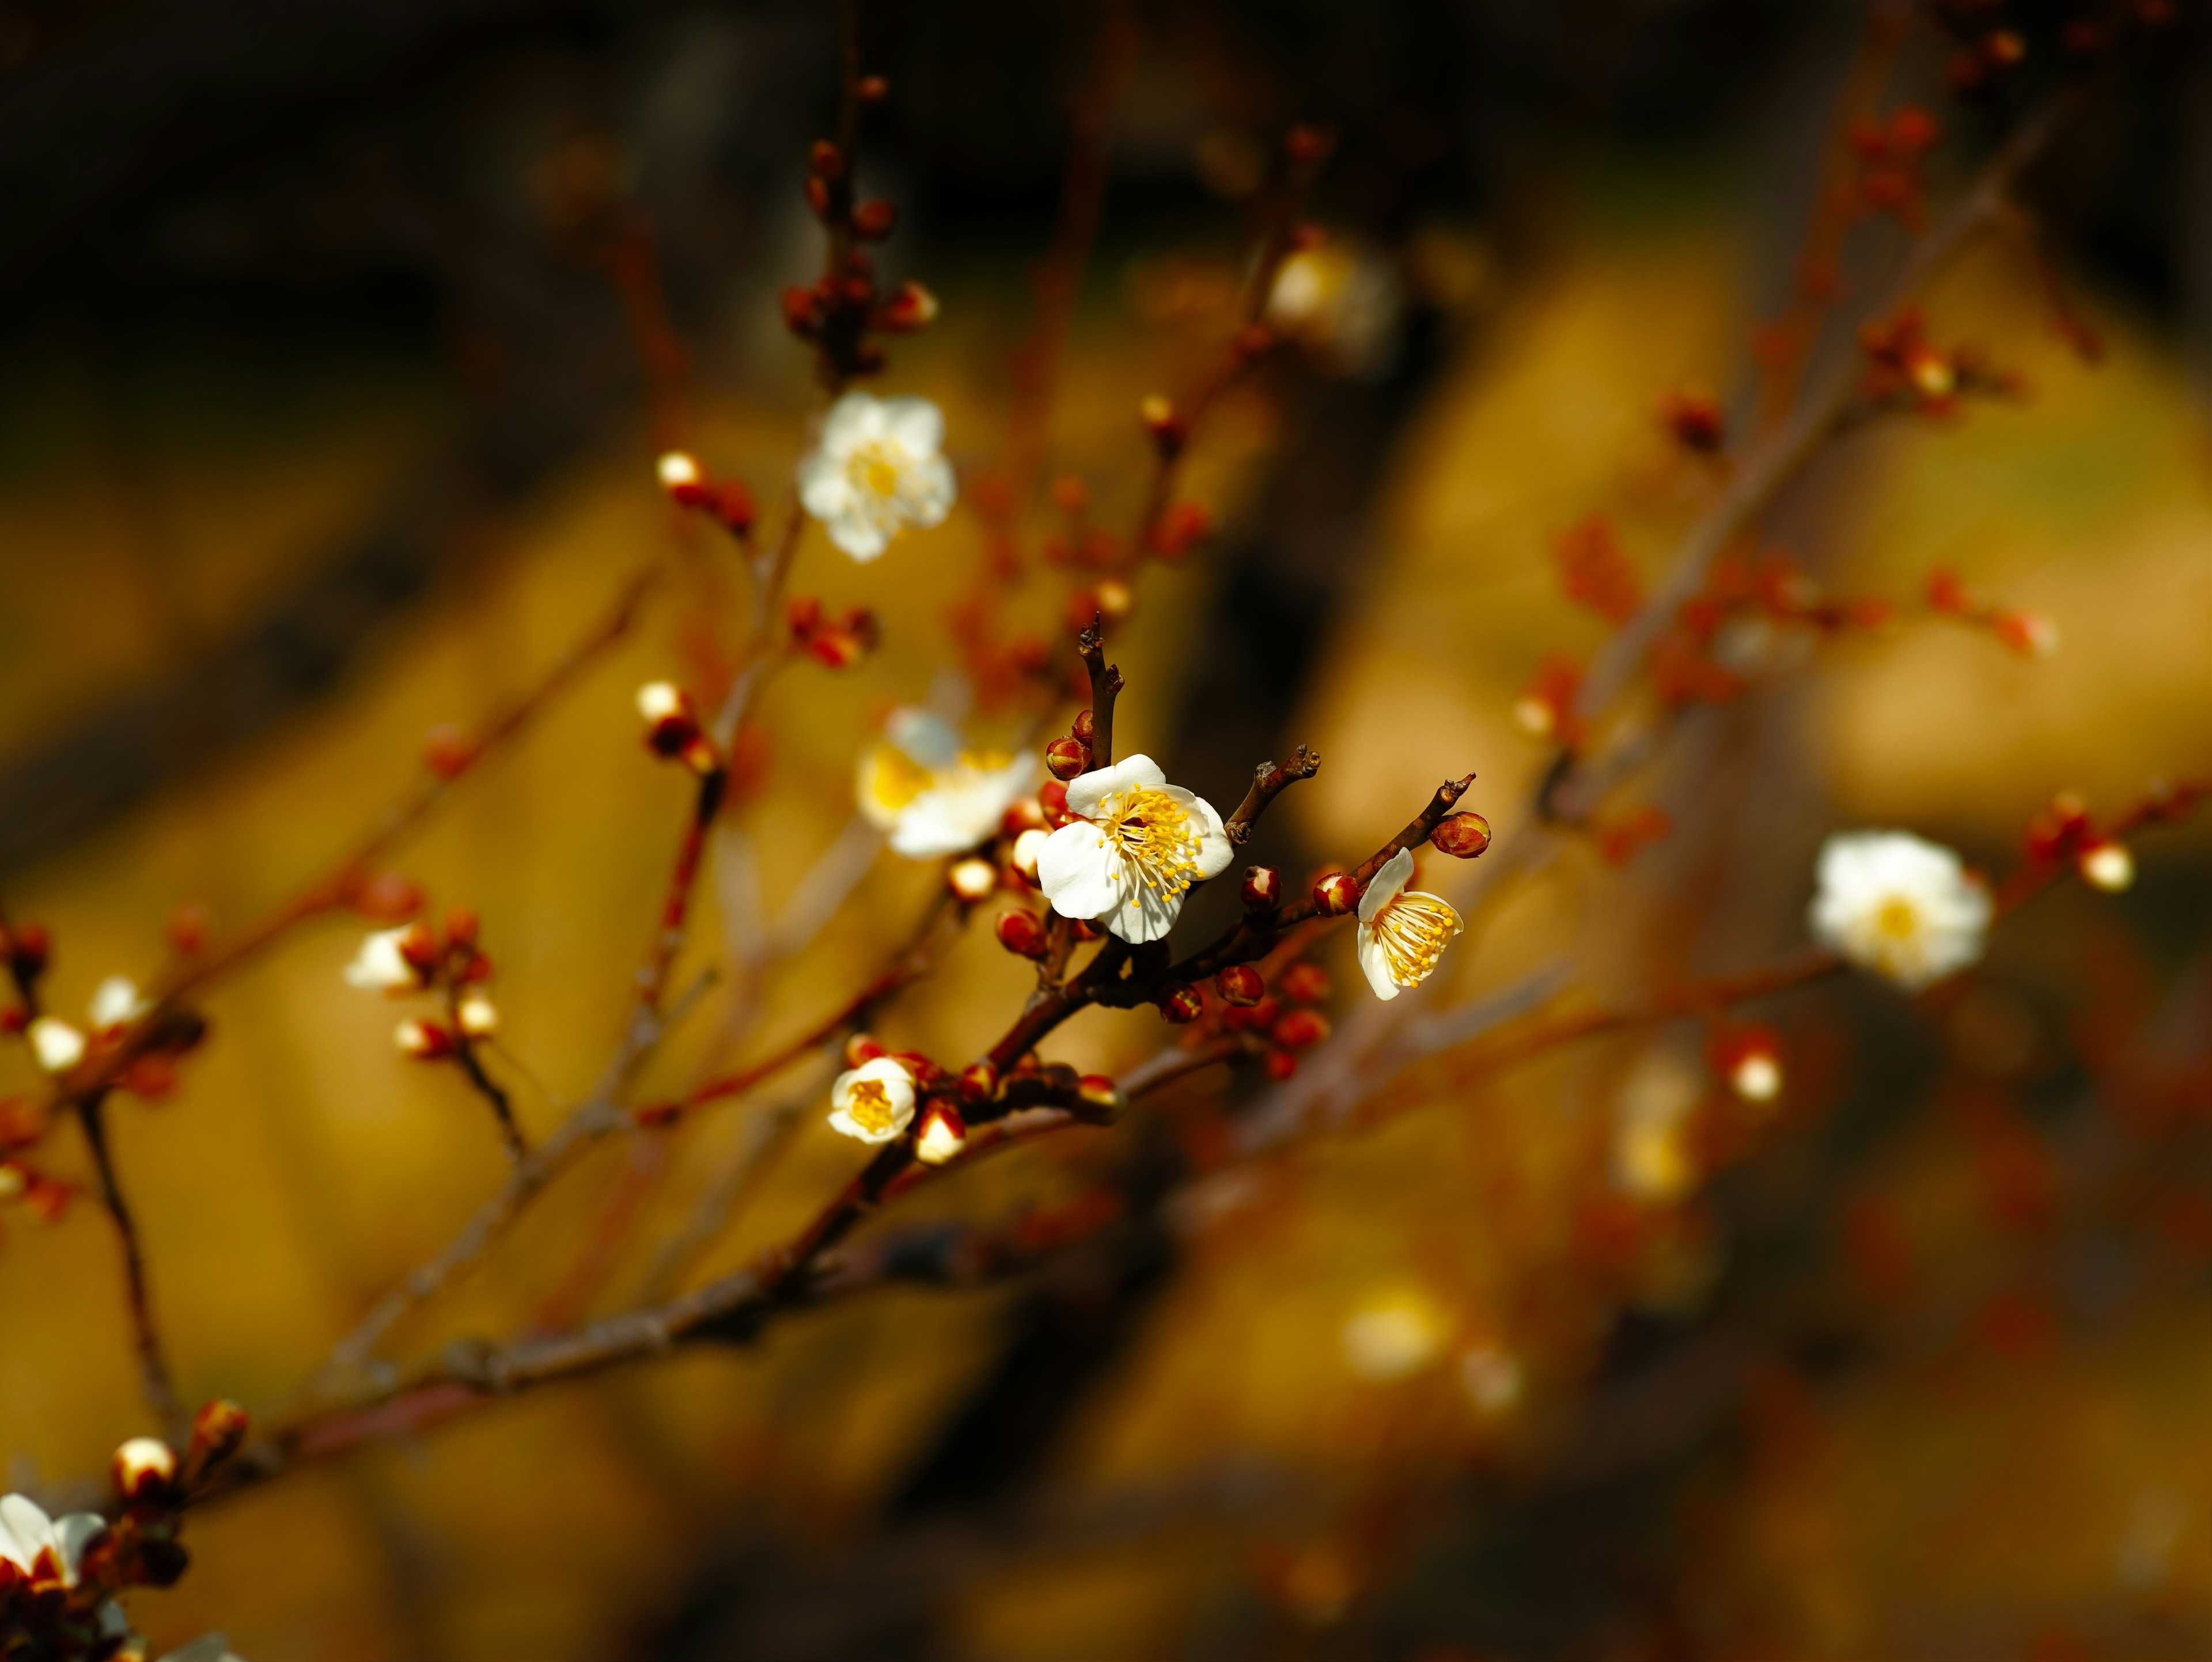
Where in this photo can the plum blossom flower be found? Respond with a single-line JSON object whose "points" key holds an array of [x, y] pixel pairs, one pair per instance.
{"points": [[874, 1102], [382, 965], [876, 472], [934, 796], [55, 1045], [115, 1001], [1131, 853], [42, 1550], [1899, 905], [1402, 932], [208, 1648]]}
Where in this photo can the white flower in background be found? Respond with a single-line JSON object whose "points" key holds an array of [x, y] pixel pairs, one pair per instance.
{"points": [[380, 966], [931, 795], [1492, 1378], [45, 1550], [876, 472], [874, 1102], [1393, 1336], [1343, 299], [1402, 932], [115, 1001], [1900, 905], [57, 1046], [208, 1648], [1138, 845]]}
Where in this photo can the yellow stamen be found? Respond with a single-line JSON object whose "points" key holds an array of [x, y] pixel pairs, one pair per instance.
{"points": [[869, 1107], [1155, 835], [1411, 931], [1898, 918], [878, 468]]}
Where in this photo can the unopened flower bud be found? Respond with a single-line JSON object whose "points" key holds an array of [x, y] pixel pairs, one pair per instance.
{"points": [[911, 307], [57, 1046], [942, 1135], [143, 1469], [2028, 633], [874, 219], [447, 750], [1240, 983], [860, 1050], [1263, 888], [1098, 1100], [1299, 1029], [1084, 728], [1169, 431], [972, 880], [1757, 1075], [1020, 933], [979, 1082], [1182, 1003], [425, 1041], [478, 1015], [218, 1429], [825, 161], [1280, 1065], [1334, 894], [1304, 983], [1052, 797], [671, 722], [1025, 815], [1024, 856], [28, 947], [872, 89], [2107, 865], [1067, 757], [1462, 835], [680, 475]]}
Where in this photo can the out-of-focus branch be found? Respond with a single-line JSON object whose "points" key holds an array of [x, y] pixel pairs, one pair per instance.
{"points": [[153, 1364]]}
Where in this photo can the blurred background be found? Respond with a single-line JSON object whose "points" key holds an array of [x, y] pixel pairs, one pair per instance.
{"points": [[339, 339]]}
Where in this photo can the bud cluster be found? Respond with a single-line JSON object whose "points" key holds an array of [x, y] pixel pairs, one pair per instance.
{"points": [[726, 502], [415, 958], [2030, 634], [1907, 371], [839, 639], [1892, 157], [2063, 833], [838, 311]]}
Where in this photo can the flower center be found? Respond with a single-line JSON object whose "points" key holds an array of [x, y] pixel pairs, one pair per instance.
{"points": [[1898, 918], [1155, 835], [878, 468], [1411, 931], [869, 1107]]}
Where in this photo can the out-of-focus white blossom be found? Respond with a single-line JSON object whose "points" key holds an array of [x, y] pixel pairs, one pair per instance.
{"points": [[934, 796], [1403, 933], [380, 966], [876, 472], [874, 1102], [1492, 1377], [477, 1016], [115, 1001], [57, 1046], [1899, 905], [2108, 865], [1393, 1336], [1133, 853], [43, 1549]]}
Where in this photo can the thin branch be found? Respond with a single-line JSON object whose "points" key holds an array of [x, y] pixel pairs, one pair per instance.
{"points": [[502, 1110], [1105, 688], [152, 1367], [1269, 782]]}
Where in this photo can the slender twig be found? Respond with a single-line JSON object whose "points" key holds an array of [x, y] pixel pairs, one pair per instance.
{"points": [[465, 1053], [1105, 688], [152, 1367], [1269, 781]]}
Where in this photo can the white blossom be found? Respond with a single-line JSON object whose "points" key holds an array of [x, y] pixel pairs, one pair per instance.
{"points": [[45, 1549], [380, 966], [57, 1046], [115, 1001], [874, 1102], [1133, 851], [935, 796], [1402, 932], [208, 1648], [876, 472], [1900, 905]]}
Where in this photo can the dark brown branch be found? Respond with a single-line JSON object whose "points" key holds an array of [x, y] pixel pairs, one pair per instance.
{"points": [[1269, 782], [1105, 687], [1417, 831], [503, 1109], [152, 1367]]}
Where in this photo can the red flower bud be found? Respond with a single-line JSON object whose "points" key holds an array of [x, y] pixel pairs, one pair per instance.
{"points": [[1052, 797], [872, 89], [1300, 1029], [218, 1429], [1182, 1003], [1067, 757], [1098, 1100], [1334, 894], [1280, 1065], [1028, 814], [1263, 888], [1240, 983], [859, 1049], [1084, 728], [446, 751], [1022, 933], [1462, 835], [1304, 983], [190, 927], [825, 161], [910, 307], [979, 1082], [874, 219], [143, 1469]]}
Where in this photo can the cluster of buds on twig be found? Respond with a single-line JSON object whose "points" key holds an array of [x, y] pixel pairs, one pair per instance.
{"points": [[1278, 1020], [2030, 634], [1753, 615], [415, 958], [60, 1577], [838, 311], [1907, 371], [2063, 833], [726, 502], [112, 1019], [839, 639], [1693, 418], [1545, 707], [1892, 157], [672, 728], [1594, 570]]}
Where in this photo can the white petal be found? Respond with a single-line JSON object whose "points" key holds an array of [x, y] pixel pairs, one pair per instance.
{"points": [[857, 535], [824, 489], [1215, 850], [25, 1529], [1078, 874], [1087, 792], [115, 1002], [1145, 915], [926, 737], [208, 1648], [1386, 885], [57, 1046], [931, 491], [71, 1534], [1374, 965], [916, 425], [853, 421]]}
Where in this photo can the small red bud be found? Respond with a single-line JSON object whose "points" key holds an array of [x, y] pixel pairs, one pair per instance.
{"points": [[860, 1049], [30, 946], [1021, 933], [1067, 757], [1052, 797], [799, 315], [818, 197], [218, 1429], [1028, 814], [1280, 1065], [1240, 983], [190, 927], [446, 751], [825, 161], [911, 307], [1263, 888], [462, 925], [1304, 983], [979, 1082], [1462, 835], [1098, 1100], [389, 898], [1084, 728], [872, 89], [1334, 894], [1300, 1029], [1182, 1004], [1307, 145], [874, 219]]}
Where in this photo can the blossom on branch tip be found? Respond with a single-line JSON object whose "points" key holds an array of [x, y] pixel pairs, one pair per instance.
{"points": [[874, 1102], [57, 1046], [934, 796], [1402, 932], [1132, 850], [1898, 904], [876, 472], [44, 1551], [116, 1002], [143, 1467], [384, 963], [2108, 865], [943, 1135]]}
